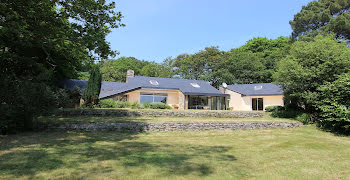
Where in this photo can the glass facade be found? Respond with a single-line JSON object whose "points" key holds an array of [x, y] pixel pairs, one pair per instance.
{"points": [[206, 102], [198, 102], [150, 98], [217, 103]]}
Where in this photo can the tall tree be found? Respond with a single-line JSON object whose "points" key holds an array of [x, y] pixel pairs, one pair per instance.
{"points": [[323, 15], [45, 41], [93, 87], [310, 65], [115, 70]]}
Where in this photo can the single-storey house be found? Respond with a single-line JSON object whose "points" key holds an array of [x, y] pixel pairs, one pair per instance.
{"points": [[253, 97], [178, 93]]}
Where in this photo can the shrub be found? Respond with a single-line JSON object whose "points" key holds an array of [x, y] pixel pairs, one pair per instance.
{"points": [[108, 103], [135, 105], [123, 104], [285, 113], [305, 118], [273, 108], [334, 105], [146, 105], [159, 105]]}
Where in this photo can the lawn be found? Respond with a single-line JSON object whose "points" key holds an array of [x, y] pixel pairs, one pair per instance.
{"points": [[113, 119], [300, 153]]}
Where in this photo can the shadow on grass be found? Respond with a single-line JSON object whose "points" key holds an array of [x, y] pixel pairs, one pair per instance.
{"points": [[33, 153]]}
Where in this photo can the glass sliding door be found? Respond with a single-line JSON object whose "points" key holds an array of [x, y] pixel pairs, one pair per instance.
{"points": [[257, 104], [217, 103], [197, 102]]}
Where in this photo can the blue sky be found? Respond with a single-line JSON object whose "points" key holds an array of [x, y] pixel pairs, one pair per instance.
{"points": [[156, 29]]}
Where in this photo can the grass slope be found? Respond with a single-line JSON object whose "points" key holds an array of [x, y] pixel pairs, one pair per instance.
{"points": [[301, 153]]}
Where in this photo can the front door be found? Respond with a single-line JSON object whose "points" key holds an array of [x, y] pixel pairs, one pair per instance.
{"points": [[257, 104]]}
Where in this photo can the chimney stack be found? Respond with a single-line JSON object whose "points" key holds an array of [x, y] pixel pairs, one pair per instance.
{"points": [[129, 74]]}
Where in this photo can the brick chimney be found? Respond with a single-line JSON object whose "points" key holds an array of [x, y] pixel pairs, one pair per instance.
{"points": [[129, 74]]}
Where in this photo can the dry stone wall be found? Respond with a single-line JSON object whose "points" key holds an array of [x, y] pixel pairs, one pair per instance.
{"points": [[160, 113], [174, 126]]}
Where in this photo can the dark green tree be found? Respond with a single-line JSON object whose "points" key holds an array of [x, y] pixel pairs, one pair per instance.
{"points": [[323, 15], [310, 65], [42, 42], [93, 87], [334, 104]]}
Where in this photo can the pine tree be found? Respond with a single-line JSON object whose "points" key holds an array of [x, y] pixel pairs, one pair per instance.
{"points": [[93, 87]]}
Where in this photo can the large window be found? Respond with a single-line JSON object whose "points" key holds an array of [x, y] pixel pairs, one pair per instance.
{"points": [[217, 103], [150, 98], [197, 102]]}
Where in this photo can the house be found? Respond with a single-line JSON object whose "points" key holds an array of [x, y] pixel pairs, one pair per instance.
{"points": [[253, 97], [178, 93]]}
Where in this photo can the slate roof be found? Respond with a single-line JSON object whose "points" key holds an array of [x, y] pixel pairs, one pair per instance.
{"points": [[184, 85], [138, 82], [267, 89]]}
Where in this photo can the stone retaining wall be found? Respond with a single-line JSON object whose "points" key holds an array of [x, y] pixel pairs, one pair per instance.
{"points": [[160, 113], [174, 126]]}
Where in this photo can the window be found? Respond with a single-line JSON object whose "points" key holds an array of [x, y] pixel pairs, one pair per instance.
{"points": [[195, 85], [197, 102], [154, 82], [258, 87], [150, 98]]}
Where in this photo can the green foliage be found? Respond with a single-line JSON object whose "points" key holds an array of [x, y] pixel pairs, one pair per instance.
{"points": [[323, 15], [305, 118], [93, 88], [67, 99], [42, 42], [273, 108], [285, 113], [108, 103], [159, 105], [334, 104], [146, 105], [310, 65], [135, 105]]}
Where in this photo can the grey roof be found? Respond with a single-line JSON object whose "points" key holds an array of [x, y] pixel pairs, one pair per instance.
{"points": [[137, 82], [267, 89], [184, 85]]}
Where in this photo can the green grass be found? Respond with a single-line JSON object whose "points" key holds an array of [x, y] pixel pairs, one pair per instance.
{"points": [[300, 153], [112, 119]]}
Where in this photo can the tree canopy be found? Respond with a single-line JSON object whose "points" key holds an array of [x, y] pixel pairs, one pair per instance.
{"points": [[323, 15], [43, 42], [309, 65]]}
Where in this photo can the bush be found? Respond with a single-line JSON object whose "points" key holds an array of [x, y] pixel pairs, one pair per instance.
{"points": [[146, 105], [334, 105], [135, 105], [123, 104], [159, 105], [285, 113], [108, 103], [273, 108], [305, 118]]}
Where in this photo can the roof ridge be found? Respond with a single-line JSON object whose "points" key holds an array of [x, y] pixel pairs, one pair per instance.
{"points": [[173, 78]]}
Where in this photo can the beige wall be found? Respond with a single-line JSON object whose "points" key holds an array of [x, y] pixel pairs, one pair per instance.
{"points": [[175, 97], [244, 103]]}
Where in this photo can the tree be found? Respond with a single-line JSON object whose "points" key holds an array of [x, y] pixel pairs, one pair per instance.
{"points": [[93, 87], [270, 52], [115, 70], [334, 104], [323, 15], [310, 65], [245, 67], [43, 42]]}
